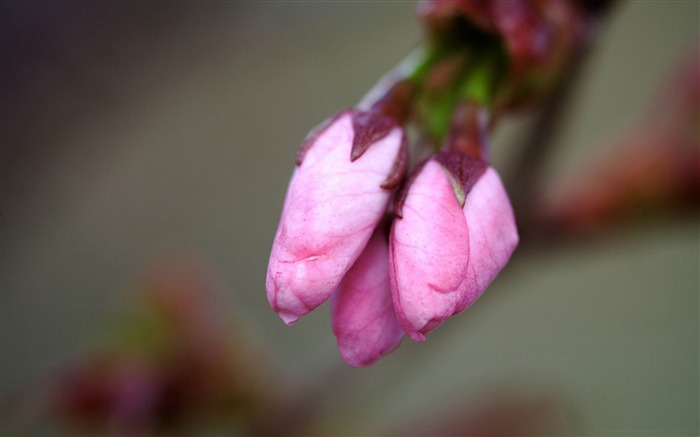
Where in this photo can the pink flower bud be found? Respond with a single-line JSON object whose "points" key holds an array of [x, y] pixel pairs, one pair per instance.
{"points": [[442, 254], [334, 201], [364, 321]]}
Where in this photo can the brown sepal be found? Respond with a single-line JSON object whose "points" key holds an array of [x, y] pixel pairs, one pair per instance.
{"points": [[390, 111], [369, 127], [465, 169], [398, 170], [467, 135]]}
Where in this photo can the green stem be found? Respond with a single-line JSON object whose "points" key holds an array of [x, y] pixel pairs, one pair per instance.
{"points": [[484, 76]]}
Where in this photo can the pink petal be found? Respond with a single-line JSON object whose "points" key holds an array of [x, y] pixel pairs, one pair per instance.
{"points": [[493, 235], [429, 253], [364, 321], [332, 207]]}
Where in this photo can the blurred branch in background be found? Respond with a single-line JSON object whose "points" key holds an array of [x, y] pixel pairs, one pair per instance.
{"points": [[538, 143]]}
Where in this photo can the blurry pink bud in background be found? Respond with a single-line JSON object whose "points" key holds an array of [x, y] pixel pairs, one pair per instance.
{"points": [[364, 321], [334, 201], [652, 166], [455, 233]]}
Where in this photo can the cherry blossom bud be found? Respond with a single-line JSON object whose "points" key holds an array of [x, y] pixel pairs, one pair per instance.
{"points": [[653, 165], [337, 196], [364, 321], [454, 233]]}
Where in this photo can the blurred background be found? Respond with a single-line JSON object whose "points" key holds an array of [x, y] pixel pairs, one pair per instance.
{"points": [[135, 133]]}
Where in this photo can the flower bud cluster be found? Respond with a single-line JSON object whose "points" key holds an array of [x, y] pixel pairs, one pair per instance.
{"points": [[393, 211], [390, 268]]}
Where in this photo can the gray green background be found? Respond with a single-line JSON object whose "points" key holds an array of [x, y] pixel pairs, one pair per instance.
{"points": [[133, 129]]}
